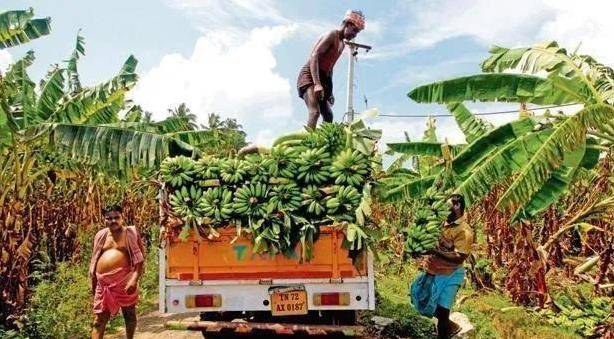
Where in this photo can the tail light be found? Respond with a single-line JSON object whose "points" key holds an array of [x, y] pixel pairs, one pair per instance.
{"points": [[331, 299], [203, 300]]}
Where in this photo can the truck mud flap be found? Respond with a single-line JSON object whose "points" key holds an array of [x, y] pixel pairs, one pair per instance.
{"points": [[277, 329]]}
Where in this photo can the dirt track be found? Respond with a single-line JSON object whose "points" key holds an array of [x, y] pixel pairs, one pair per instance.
{"points": [[151, 325]]}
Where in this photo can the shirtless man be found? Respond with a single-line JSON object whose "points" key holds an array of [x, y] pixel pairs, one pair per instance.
{"points": [[115, 269], [315, 80]]}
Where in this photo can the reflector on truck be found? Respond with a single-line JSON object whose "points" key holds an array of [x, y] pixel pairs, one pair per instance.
{"points": [[331, 299], [203, 300]]}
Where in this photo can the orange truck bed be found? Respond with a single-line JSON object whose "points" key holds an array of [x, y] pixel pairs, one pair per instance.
{"points": [[222, 259]]}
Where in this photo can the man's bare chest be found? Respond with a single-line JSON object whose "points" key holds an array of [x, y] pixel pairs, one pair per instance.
{"points": [[115, 242]]}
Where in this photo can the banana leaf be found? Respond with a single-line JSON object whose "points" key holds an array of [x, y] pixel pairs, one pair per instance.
{"points": [[567, 137], [115, 149], [505, 161], [541, 57], [405, 189], [471, 126], [554, 187], [481, 148], [505, 87], [18, 27], [100, 104], [417, 148]]}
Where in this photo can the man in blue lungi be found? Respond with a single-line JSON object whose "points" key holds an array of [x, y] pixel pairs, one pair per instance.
{"points": [[434, 290]]}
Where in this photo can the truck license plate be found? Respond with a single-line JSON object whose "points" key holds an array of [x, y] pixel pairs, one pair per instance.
{"points": [[289, 303]]}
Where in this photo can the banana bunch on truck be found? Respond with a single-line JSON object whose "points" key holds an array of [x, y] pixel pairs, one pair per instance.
{"points": [[280, 195]]}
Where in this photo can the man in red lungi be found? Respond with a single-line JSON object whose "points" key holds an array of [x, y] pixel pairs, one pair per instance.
{"points": [[115, 268]]}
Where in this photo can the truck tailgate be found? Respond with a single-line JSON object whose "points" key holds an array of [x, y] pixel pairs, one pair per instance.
{"points": [[222, 259]]}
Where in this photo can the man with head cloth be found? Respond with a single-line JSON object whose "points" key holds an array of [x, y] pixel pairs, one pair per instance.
{"points": [[315, 80]]}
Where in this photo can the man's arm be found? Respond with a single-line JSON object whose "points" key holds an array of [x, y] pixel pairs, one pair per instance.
{"points": [[314, 67], [462, 248], [139, 267], [453, 257]]}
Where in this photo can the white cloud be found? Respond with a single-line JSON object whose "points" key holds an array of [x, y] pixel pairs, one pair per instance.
{"points": [[227, 73], [589, 22], [230, 14], [5, 60], [506, 23], [241, 16]]}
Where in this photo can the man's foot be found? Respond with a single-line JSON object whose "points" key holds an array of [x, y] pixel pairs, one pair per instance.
{"points": [[454, 328]]}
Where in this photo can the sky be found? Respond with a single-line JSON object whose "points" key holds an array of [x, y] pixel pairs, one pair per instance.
{"points": [[241, 58]]}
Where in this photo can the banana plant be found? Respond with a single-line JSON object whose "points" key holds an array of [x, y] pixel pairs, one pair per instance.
{"points": [[541, 158], [18, 27], [83, 122]]}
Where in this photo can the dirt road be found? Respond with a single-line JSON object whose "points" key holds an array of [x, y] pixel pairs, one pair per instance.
{"points": [[151, 326]]}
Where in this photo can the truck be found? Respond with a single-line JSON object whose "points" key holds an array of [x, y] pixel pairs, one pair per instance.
{"points": [[237, 291]]}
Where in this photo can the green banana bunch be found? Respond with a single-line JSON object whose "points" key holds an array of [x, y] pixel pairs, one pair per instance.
{"points": [[313, 166], [233, 171], [251, 200], [333, 136], [286, 197], [283, 162], [217, 204], [177, 171], [258, 168], [313, 200], [344, 201], [350, 168], [208, 168], [187, 204], [423, 234], [291, 139]]}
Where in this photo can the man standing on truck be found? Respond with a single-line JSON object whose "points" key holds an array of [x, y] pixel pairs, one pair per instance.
{"points": [[115, 268], [433, 292], [315, 80]]}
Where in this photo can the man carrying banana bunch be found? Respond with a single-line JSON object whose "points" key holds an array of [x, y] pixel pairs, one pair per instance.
{"points": [[434, 290]]}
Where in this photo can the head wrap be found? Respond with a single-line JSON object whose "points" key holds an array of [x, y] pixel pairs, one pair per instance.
{"points": [[356, 18]]}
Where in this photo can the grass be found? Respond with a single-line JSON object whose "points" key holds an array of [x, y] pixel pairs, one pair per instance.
{"points": [[492, 314]]}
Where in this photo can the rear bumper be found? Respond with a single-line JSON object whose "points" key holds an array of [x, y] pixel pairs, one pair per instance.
{"points": [[250, 295], [234, 329]]}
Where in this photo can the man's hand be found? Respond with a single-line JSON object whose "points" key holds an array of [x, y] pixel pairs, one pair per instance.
{"points": [[331, 100], [318, 90], [131, 286]]}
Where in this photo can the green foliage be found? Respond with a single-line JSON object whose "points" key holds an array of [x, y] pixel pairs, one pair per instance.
{"points": [[580, 313], [114, 149], [495, 316], [18, 27], [506, 87], [62, 315], [472, 126]]}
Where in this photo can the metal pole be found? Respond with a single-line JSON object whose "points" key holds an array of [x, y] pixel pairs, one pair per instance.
{"points": [[350, 88]]}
